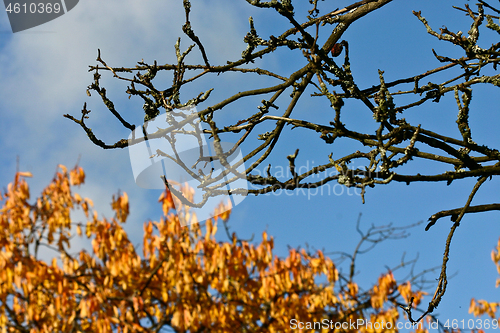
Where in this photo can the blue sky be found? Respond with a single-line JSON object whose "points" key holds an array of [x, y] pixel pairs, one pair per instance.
{"points": [[44, 75]]}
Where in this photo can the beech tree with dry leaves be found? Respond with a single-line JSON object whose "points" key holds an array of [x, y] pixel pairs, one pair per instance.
{"points": [[180, 278]]}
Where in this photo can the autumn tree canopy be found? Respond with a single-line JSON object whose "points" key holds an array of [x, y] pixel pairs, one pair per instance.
{"points": [[179, 278], [381, 156]]}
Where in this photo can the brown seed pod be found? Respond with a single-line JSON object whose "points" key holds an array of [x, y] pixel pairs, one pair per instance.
{"points": [[337, 49]]}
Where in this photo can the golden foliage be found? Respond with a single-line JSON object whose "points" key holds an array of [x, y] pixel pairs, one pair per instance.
{"points": [[184, 278], [481, 307], [495, 256]]}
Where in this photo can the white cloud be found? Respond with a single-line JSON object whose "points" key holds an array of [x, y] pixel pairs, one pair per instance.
{"points": [[44, 74]]}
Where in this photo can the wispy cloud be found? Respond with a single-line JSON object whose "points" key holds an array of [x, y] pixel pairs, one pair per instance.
{"points": [[44, 74]]}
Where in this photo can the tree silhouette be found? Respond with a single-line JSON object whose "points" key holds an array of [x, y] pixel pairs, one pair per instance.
{"points": [[380, 155]]}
